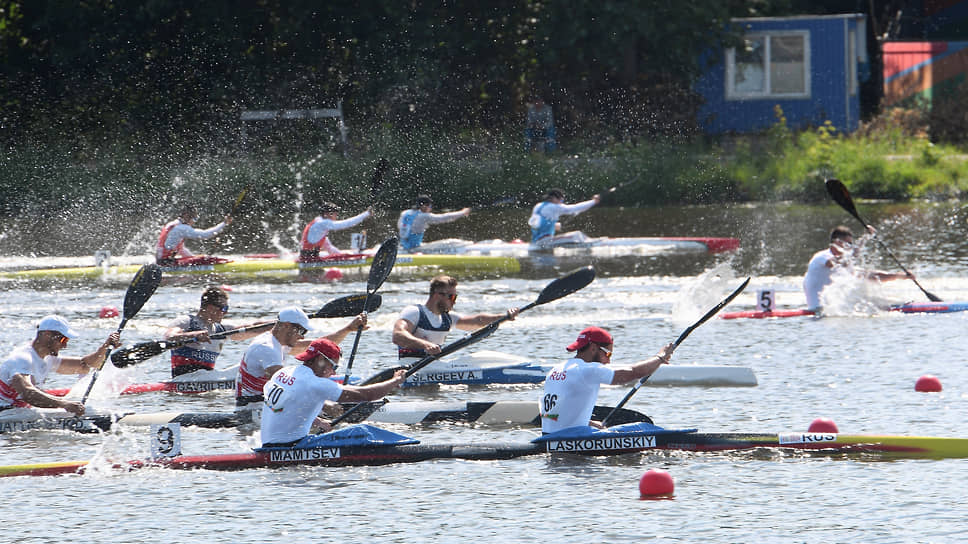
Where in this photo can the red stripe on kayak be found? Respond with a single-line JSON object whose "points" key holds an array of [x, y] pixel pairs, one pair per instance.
{"points": [[714, 245], [755, 314]]}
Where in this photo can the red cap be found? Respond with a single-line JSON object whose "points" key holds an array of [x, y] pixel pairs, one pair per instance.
{"points": [[597, 335], [321, 346]]}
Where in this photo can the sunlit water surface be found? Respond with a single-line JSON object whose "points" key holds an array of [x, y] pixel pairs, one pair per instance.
{"points": [[856, 367]]}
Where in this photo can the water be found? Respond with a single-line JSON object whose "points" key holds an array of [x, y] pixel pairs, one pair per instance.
{"points": [[854, 368]]}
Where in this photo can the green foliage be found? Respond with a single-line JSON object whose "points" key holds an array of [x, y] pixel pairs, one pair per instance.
{"points": [[167, 71]]}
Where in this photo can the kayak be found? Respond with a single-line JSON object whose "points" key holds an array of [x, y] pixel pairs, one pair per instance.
{"points": [[405, 413], [457, 246], [61, 421], [286, 269], [363, 445], [909, 308], [483, 367]]}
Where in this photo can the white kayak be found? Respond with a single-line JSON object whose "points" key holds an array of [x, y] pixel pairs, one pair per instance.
{"points": [[578, 241], [483, 367], [495, 367]]}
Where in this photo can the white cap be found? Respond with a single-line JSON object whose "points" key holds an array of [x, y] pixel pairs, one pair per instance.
{"points": [[56, 323], [295, 315]]}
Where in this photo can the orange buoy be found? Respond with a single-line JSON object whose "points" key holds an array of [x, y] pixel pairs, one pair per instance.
{"points": [[928, 384], [823, 425], [656, 482]]}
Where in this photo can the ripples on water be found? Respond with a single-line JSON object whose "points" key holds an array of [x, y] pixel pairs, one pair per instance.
{"points": [[854, 368]]}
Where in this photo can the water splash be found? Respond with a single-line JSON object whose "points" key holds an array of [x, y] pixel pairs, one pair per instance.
{"points": [[706, 291]]}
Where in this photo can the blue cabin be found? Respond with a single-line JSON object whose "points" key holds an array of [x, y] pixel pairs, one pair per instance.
{"points": [[809, 66]]}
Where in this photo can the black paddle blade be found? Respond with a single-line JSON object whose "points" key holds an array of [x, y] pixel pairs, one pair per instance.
{"points": [[575, 280], [349, 306], [382, 264], [841, 196], [137, 353], [376, 183], [143, 285]]}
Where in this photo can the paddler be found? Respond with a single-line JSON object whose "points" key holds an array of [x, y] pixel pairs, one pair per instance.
{"points": [[315, 236], [413, 222], [295, 396], [25, 370], [422, 328], [266, 353], [171, 242], [544, 218], [571, 387], [202, 353], [838, 256]]}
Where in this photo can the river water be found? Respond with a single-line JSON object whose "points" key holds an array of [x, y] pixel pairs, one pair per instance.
{"points": [[857, 367]]}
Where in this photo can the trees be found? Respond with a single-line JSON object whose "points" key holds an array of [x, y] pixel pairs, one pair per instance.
{"points": [[167, 68]]}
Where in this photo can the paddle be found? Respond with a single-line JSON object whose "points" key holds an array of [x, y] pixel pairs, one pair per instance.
{"points": [[715, 310], [841, 196], [235, 208], [376, 182], [142, 286], [347, 306], [379, 270], [558, 288], [503, 201]]}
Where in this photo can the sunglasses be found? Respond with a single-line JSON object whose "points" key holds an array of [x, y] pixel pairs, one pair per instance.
{"points": [[607, 352], [225, 309], [331, 362], [299, 329], [451, 296]]}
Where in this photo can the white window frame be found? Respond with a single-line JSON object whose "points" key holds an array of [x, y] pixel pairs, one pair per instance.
{"points": [[767, 93]]}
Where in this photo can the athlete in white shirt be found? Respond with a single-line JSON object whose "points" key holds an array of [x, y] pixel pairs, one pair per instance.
{"points": [[315, 236], [24, 371], [171, 242], [295, 396], [422, 328], [571, 387], [840, 255], [267, 352]]}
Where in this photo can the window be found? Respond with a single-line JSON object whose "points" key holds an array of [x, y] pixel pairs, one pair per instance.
{"points": [[775, 65]]}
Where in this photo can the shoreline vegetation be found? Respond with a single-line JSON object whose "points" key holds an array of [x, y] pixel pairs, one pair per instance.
{"points": [[99, 185]]}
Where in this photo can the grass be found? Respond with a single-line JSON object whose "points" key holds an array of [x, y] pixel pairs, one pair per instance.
{"points": [[477, 167]]}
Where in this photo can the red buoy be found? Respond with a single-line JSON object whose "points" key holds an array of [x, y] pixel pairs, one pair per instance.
{"points": [[108, 311], [226, 288], [656, 482], [823, 425], [334, 274], [928, 384]]}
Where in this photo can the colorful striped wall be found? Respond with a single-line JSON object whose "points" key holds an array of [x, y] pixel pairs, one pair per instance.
{"points": [[918, 71]]}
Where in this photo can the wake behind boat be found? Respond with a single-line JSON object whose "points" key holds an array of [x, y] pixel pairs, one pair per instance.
{"points": [[364, 445], [584, 244]]}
